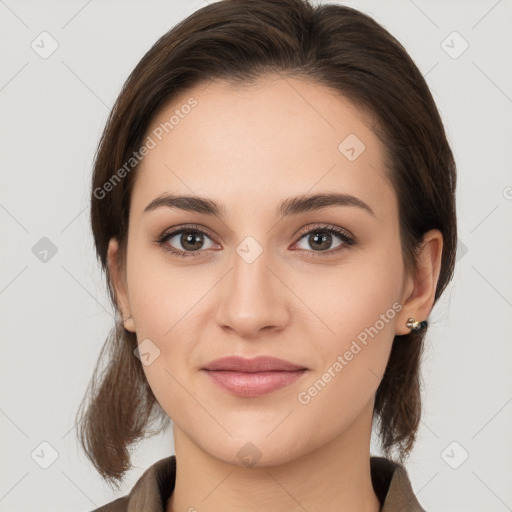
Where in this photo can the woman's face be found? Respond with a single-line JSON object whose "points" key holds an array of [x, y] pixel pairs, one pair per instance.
{"points": [[260, 281]]}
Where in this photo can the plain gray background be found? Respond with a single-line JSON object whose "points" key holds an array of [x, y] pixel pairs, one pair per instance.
{"points": [[55, 314]]}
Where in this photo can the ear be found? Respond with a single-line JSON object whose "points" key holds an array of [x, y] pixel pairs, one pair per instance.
{"points": [[118, 278], [419, 293]]}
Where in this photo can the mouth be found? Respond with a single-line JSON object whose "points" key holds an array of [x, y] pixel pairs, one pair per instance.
{"points": [[253, 377]]}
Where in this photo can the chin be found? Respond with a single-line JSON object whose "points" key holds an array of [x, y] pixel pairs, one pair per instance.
{"points": [[255, 453]]}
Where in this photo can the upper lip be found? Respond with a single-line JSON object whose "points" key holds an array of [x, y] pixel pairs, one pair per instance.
{"points": [[257, 364]]}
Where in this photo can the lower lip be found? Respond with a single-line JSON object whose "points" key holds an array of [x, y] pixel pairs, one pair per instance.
{"points": [[253, 384]]}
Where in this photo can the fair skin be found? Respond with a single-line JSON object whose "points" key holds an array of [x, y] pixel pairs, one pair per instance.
{"points": [[249, 149]]}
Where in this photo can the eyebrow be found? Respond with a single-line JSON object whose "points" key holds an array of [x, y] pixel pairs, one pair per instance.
{"points": [[290, 206]]}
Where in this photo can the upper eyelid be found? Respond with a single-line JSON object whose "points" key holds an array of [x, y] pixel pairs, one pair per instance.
{"points": [[176, 231]]}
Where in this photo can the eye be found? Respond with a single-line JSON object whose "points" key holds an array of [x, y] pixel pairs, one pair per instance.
{"points": [[321, 238], [185, 241]]}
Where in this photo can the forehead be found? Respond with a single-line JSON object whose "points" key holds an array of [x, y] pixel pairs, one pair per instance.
{"points": [[275, 138]]}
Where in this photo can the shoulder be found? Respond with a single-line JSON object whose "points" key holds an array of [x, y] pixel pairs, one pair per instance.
{"points": [[150, 492], [118, 505], [392, 486]]}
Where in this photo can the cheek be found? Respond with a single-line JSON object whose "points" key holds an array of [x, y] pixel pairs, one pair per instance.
{"points": [[353, 362], [356, 296], [166, 303], [357, 305], [162, 294]]}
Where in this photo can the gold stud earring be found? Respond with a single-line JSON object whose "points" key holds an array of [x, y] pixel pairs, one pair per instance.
{"points": [[416, 326]]}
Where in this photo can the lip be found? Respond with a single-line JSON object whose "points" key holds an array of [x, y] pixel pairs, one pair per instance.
{"points": [[253, 377]]}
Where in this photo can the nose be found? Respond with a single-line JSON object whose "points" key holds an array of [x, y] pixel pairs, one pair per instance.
{"points": [[253, 298]]}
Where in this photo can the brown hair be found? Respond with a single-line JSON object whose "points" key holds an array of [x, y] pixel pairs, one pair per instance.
{"points": [[240, 41]]}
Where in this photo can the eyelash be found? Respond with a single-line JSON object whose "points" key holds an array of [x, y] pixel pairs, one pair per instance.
{"points": [[341, 233]]}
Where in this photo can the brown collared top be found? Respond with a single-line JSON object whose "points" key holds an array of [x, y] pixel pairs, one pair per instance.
{"points": [[152, 490]]}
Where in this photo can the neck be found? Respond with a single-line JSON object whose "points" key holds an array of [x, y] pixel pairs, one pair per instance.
{"points": [[335, 476]]}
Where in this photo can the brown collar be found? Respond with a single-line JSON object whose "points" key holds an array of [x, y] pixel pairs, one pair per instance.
{"points": [[392, 486], [152, 490]]}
